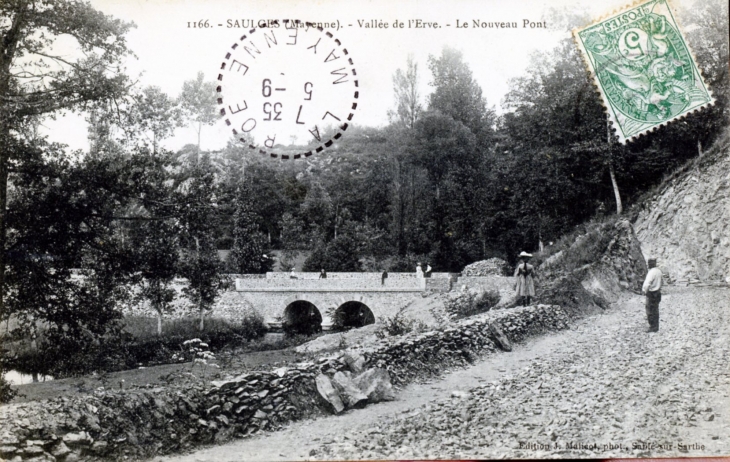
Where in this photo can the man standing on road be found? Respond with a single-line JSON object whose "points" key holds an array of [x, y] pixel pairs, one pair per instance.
{"points": [[652, 288]]}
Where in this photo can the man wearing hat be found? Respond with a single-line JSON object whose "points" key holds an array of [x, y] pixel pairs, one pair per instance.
{"points": [[652, 288], [525, 284]]}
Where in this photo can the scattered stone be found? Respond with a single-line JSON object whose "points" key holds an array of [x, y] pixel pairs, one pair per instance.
{"points": [[73, 439], [60, 450]]}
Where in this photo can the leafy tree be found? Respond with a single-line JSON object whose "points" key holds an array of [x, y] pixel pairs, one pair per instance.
{"points": [[457, 94], [340, 254], [318, 210], [198, 100], [156, 244], [150, 116], [250, 253], [292, 239], [37, 78], [65, 216], [200, 263], [407, 98]]}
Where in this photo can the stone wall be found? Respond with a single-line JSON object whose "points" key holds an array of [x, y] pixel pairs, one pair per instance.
{"points": [[141, 423]]}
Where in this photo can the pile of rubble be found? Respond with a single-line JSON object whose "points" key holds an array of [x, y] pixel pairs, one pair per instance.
{"points": [[469, 302], [489, 267]]}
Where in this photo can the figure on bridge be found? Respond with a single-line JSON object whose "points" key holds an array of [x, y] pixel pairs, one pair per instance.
{"points": [[323, 274]]}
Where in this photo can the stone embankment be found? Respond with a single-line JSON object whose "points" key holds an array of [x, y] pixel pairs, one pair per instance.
{"points": [[686, 223], [145, 422]]}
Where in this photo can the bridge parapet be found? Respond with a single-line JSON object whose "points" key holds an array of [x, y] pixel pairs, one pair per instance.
{"points": [[359, 276], [330, 285]]}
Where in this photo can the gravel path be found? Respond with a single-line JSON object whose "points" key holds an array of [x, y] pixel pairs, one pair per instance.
{"points": [[603, 389]]}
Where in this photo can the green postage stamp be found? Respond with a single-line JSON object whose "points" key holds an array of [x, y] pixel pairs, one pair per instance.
{"points": [[643, 68]]}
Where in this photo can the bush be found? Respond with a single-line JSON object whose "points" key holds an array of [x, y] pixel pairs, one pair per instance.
{"points": [[400, 325], [6, 391]]}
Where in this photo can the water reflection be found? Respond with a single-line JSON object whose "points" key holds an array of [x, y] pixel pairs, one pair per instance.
{"points": [[16, 378]]}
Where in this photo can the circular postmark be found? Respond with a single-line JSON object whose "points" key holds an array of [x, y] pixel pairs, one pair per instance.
{"points": [[287, 89]]}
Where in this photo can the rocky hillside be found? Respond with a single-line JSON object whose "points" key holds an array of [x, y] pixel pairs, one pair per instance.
{"points": [[686, 223]]}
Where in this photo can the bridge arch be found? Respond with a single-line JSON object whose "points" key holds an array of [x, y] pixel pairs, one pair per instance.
{"points": [[352, 314], [301, 317]]}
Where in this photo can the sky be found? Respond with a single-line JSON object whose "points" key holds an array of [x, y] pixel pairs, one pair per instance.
{"points": [[171, 50]]}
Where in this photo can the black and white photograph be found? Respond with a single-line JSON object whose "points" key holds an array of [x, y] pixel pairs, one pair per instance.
{"points": [[313, 230]]}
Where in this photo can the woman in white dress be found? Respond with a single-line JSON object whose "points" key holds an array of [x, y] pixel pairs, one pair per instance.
{"points": [[525, 283]]}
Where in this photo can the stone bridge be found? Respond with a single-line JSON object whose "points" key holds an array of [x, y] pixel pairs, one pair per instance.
{"points": [[307, 303]]}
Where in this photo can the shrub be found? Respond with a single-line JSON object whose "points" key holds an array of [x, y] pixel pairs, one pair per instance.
{"points": [[6, 391], [400, 325]]}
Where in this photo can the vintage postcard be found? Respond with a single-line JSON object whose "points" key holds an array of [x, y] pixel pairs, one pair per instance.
{"points": [[250, 230]]}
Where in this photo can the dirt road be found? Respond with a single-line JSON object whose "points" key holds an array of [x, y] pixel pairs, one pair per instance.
{"points": [[605, 388]]}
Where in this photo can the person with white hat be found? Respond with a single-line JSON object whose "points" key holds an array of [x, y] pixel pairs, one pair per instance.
{"points": [[525, 283]]}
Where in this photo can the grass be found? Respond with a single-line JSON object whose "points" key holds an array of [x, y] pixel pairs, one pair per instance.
{"points": [[216, 330], [584, 245], [136, 345]]}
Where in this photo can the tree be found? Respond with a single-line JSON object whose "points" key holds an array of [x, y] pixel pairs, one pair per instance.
{"points": [[198, 100], [318, 210], [458, 95], [36, 78], [250, 253], [150, 116], [156, 244], [407, 98], [340, 254], [200, 263], [65, 216], [292, 232]]}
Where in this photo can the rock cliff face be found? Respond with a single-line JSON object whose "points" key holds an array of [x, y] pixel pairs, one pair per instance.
{"points": [[686, 224], [614, 263]]}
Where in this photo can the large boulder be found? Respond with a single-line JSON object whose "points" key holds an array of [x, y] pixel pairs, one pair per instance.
{"points": [[327, 391], [375, 384], [351, 395], [501, 340]]}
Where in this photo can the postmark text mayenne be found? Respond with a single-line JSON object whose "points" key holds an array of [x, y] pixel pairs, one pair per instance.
{"points": [[288, 90]]}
